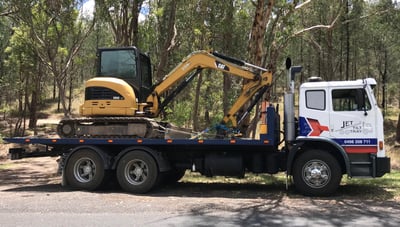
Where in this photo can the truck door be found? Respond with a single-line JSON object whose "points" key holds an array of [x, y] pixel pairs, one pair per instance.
{"points": [[313, 112], [352, 120]]}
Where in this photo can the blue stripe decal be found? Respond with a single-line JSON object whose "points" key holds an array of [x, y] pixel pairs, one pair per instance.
{"points": [[305, 128], [357, 141]]}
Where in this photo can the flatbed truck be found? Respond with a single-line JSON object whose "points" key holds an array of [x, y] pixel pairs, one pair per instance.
{"points": [[338, 129], [332, 139]]}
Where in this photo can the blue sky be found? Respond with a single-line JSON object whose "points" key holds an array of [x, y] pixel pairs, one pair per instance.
{"points": [[87, 9]]}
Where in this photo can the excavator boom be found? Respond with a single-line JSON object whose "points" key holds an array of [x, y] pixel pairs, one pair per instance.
{"points": [[255, 76]]}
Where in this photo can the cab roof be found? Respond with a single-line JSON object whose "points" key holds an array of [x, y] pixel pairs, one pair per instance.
{"points": [[345, 83]]}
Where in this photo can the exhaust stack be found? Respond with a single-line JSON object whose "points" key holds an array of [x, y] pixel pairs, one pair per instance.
{"points": [[289, 116]]}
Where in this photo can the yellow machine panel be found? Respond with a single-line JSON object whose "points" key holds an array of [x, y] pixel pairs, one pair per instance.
{"points": [[113, 97]]}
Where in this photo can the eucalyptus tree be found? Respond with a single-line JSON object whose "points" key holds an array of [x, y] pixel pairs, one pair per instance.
{"points": [[122, 18], [54, 34]]}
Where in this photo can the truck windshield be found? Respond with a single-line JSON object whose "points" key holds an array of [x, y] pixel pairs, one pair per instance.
{"points": [[118, 63]]}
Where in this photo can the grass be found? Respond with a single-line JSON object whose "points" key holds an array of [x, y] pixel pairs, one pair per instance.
{"points": [[382, 188], [378, 189], [195, 177], [5, 166]]}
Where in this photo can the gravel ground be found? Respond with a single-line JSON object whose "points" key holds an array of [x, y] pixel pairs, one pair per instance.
{"points": [[31, 195]]}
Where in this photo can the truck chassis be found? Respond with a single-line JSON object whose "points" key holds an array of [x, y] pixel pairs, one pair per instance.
{"points": [[315, 163]]}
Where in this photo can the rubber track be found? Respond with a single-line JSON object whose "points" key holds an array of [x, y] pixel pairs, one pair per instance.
{"points": [[110, 121]]}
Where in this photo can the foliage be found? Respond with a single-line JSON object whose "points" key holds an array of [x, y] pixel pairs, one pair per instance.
{"points": [[49, 43]]}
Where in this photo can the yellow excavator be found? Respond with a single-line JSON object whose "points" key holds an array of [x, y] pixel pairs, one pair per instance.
{"points": [[122, 102]]}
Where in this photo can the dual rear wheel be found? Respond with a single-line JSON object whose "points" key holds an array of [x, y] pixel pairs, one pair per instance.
{"points": [[136, 172]]}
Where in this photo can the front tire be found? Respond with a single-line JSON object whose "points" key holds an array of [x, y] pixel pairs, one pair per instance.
{"points": [[85, 170], [316, 173], [137, 172]]}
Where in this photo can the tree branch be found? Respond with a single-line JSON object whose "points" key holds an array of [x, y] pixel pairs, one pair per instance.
{"points": [[7, 13], [320, 26], [366, 16], [303, 4]]}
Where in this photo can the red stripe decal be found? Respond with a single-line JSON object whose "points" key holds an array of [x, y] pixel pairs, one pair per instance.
{"points": [[317, 129], [360, 149]]}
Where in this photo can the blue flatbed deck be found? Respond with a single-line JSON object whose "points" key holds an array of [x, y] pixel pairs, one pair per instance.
{"points": [[135, 141]]}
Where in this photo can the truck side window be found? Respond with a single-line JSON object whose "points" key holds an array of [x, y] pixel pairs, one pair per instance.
{"points": [[350, 100], [315, 99]]}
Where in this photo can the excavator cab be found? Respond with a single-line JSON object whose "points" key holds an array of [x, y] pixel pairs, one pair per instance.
{"points": [[123, 80], [128, 64]]}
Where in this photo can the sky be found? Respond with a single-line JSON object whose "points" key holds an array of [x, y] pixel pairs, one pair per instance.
{"points": [[88, 8]]}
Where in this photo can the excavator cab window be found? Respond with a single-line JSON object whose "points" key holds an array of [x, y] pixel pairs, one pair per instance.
{"points": [[128, 64], [120, 63]]}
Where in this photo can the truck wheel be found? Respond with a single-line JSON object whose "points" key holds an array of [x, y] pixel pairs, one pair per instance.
{"points": [[316, 173], [137, 172], [85, 170]]}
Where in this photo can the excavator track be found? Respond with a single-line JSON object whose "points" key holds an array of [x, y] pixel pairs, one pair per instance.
{"points": [[111, 127]]}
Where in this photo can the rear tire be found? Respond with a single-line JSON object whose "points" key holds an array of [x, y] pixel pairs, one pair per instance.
{"points": [[85, 170], [137, 172], [316, 173]]}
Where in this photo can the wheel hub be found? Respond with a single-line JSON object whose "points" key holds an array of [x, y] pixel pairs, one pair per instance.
{"points": [[84, 170], [136, 172], [87, 170], [316, 174]]}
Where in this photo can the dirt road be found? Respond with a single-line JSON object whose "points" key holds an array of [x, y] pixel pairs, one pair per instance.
{"points": [[31, 195]]}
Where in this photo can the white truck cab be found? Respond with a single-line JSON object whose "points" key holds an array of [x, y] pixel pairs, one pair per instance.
{"points": [[345, 114], [338, 130], [344, 111]]}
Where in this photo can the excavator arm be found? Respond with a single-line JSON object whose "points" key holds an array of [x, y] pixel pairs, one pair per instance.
{"points": [[257, 78]]}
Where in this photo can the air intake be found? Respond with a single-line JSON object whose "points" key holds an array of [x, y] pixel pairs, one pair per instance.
{"points": [[102, 93]]}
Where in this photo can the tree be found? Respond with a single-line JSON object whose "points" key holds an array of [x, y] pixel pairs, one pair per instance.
{"points": [[166, 36], [55, 34], [333, 39], [123, 18]]}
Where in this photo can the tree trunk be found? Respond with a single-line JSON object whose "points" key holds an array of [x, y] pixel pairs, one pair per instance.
{"points": [[398, 130], [257, 35], [33, 105], [347, 43], [195, 114], [256, 44], [33, 110], [169, 42], [123, 19], [70, 94], [227, 48]]}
